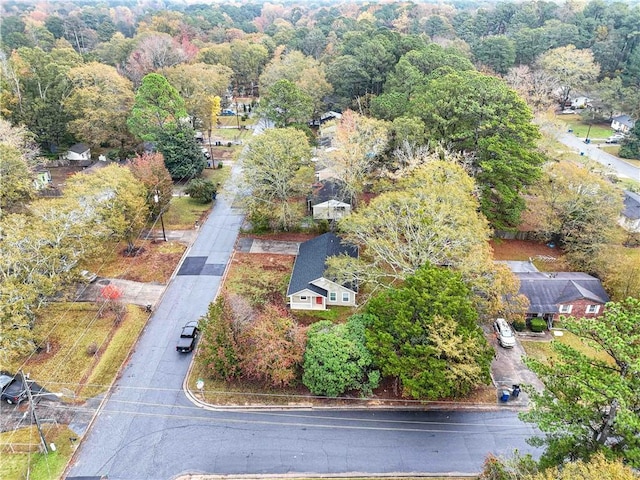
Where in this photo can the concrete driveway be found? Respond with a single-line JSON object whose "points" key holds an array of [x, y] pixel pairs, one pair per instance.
{"points": [[507, 369]]}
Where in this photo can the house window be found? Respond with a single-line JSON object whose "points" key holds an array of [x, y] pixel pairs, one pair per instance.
{"points": [[593, 308], [565, 308], [303, 298], [345, 296], [333, 296]]}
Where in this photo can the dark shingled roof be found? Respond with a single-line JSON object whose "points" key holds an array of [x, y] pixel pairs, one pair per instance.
{"points": [[79, 148], [546, 290], [631, 205], [625, 120], [326, 190], [310, 263]]}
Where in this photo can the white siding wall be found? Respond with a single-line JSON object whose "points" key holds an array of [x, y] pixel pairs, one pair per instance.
{"points": [[330, 286], [297, 303]]}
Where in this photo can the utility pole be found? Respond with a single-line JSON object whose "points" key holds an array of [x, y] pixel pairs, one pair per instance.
{"points": [[32, 408], [156, 199]]}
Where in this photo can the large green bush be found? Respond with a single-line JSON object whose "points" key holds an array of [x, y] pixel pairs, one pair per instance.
{"points": [[203, 191], [519, 325], [337, 360], [538, 325]]}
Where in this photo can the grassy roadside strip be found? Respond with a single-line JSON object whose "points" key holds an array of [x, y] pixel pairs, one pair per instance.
{"points": [[23, 459], [72, 370]]}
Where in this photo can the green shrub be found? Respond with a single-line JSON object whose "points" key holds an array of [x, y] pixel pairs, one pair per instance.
{"points": [[519, 325], [337, 360], [538, 324], [203, 191]]}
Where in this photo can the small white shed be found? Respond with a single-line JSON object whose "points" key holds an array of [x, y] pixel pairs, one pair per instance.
{"points": [[78, 152], [331, 210]]}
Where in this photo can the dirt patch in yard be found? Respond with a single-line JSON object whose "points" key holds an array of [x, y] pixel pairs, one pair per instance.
{"points": [[521, 250], [154, 262], [59, 175]]}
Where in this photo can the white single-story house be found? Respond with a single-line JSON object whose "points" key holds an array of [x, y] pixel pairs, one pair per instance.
{"points": [[331, 210], [308, 288], [78, 152], [580, 102], [622, 123], [630, 217]]}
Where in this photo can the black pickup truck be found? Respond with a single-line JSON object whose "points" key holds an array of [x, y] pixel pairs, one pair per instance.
{"points": [[188, 337]]}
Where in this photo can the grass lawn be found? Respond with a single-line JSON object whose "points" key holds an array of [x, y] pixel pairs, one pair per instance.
{"points": [[335, 314], [544, 352], [217, 175], [612, 149], [183, 213], [580, 129], [72, 329], [28, 462]]}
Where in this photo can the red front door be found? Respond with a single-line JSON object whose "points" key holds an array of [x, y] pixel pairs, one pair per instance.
{"points": [[318, 300]]}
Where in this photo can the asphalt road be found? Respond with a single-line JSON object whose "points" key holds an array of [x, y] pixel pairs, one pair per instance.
{"points": [[161, 442], [592, 151], [148, 429]]}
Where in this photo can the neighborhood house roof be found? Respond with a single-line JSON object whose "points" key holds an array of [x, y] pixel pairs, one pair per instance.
{"points": [[325, 190], [79, 148], [333, 204], [631, 205], [625, 120], [546, 291], [310, 263]]}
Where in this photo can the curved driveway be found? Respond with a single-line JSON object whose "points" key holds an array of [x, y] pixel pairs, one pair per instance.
{"points": [[148, 429]]}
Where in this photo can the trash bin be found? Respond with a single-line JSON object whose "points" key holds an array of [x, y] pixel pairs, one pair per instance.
{"points": [[515, 391], [504, 395]]}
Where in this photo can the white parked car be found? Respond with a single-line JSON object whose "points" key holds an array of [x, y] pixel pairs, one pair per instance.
{"points": [[615, 138], [506, 337]]}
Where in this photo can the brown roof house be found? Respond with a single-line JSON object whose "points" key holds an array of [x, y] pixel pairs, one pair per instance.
{"points": [[562, 293], [309, 289]]}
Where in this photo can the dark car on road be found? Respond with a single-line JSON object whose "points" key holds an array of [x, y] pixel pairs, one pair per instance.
{"points": [[188, 337], [13, 390]]}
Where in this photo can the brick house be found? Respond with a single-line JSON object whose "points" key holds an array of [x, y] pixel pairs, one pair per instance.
{"points": [[563, 293]]}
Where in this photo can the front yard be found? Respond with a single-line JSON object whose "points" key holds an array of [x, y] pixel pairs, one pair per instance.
{"points": [[545, 258], [580, 129], [543, 351]]}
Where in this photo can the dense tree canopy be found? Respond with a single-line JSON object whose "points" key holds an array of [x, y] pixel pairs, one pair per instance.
{"points": [[430, 217], [99, 105], [182, 154], [285, 103], [158, 108], [576, 209], [424, 334], [479, 115]]}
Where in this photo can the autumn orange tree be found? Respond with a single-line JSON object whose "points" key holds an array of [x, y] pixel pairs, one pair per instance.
{"points": [[272, 347], [149, 168]]}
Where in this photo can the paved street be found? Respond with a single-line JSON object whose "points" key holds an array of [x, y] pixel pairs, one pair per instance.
{"points": [[592, 151]]}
